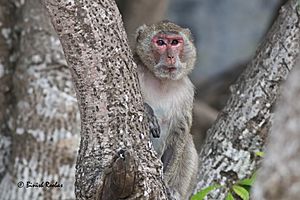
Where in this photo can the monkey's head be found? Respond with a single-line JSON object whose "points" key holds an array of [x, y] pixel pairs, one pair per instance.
{"points": [[166, 49]]}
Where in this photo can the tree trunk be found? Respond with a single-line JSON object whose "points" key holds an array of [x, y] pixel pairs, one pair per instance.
{"points": [[115, 158], [228, 154], [44, 122], [6, 28], [279, 177]]}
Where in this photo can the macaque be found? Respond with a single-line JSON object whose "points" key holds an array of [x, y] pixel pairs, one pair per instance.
{"points": [[165, 55]]}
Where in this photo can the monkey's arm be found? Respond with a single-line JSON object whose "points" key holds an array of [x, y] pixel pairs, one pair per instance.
{"points": [[176, 142], [180, 159], [177, 139], [153, 123]]}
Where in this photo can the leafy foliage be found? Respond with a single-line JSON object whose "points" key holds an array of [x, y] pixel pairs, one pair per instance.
{"points": [[260, 153], [247, 181], [202, 193], [229, 196], [241, 189]]}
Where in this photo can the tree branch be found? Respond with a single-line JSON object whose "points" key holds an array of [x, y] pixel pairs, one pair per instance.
{"points": [[44, 121], [242, 126], [114, 131], [7, 21], [279, 176]]}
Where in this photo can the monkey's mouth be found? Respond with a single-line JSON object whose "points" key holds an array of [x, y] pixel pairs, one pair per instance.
{"points": [[169, 69]]}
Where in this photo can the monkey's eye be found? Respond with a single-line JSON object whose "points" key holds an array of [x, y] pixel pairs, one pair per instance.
{"points": [[160, 42], [174, 42]]}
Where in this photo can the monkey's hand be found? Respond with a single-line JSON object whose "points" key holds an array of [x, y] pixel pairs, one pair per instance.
{"points": [[153, 123]]}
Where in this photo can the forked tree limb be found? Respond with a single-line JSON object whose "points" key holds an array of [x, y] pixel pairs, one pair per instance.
{"points": [[228, 154], [115, 158]]}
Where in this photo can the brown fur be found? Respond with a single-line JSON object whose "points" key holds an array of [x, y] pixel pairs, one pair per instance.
{"points": [[171, 98]]}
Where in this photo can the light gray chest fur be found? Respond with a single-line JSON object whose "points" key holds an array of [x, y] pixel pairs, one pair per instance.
{"points": [[168, 100]]}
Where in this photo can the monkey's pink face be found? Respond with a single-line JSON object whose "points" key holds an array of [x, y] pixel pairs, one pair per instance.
{"points": [[167, 51]]}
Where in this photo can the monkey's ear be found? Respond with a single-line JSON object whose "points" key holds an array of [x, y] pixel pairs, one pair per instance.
{"points": [[187, 32], [139, 32]]}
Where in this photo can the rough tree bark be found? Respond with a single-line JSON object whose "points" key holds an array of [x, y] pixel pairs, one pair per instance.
{"points": [[115, 158], [241, 128], [6, 25], [44, 122], [279, 177]]}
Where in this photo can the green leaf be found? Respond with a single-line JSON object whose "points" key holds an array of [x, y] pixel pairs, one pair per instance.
{"points": [[246, 181], [260, 153], [202, 193], [229, 196], [242, 192]]}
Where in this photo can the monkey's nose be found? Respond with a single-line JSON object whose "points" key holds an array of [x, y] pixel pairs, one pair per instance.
{"points": [[171, 60]]}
